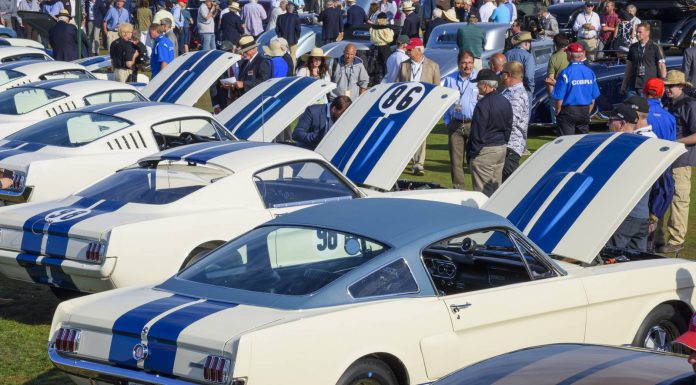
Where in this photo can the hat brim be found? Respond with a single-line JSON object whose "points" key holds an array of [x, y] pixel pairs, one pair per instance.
{"points": [[684, 83], [307, 56], [242, 50], [687, 339], [268, 51], [455, 20]]}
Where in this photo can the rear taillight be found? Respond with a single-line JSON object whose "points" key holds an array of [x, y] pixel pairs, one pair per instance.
{"points": [[67, 340], [216, 369], [95, 252]]}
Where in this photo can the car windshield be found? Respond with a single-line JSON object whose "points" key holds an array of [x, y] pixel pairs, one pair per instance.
{"points": [[7, 76], [71, 129], [21, 100], [283, 260], [161, 184]]}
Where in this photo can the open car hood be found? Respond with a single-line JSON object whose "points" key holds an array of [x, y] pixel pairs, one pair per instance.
{"points": [[186, 78], [572, 194], [262, 113], [39, 21], [372, 142]]}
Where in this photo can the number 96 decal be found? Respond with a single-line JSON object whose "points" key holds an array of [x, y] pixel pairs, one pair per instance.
{"points": [[401, 98]]}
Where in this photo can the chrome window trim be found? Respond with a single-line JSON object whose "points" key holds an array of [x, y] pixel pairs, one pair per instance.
{"points": [[384, 295]]}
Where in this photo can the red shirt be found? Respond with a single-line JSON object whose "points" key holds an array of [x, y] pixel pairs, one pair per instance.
{"points": [[610, 20]]}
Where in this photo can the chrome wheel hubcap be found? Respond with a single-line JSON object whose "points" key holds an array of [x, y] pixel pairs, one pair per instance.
{"points": [[658, 338]]}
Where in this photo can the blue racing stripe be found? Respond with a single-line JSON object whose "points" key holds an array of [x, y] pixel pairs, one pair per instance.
{"points": [[578, 377], [268, 104], [93, 60], [192, 74], [14, 151], [33, 228], [376, 145], [58, 233], [50, 84], [18, 64], [190, 61], [11, 144], [581, 189], [204, 156], [163, 334], [350, 145], [568, 162], [127, 329], [117, 107], [38, 273], [180, 152]]}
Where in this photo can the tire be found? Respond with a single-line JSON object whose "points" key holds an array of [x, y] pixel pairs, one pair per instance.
{"points": [[65, 294], [662, 326], [368, 371], [194, 257]]}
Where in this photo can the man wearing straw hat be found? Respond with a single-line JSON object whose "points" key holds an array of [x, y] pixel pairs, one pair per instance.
{"points": [[279, 67], [63, 38], [288, 27], [521, 44], [411, 27], [231, 25], [254, 69], [684, 110]]}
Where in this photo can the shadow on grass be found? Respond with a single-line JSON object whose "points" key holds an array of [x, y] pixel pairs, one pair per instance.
{"points": [[51, 377], [32, 304]]}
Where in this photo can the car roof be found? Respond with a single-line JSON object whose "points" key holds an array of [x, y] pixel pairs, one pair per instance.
{"points": [[10, 50], [236, 156], [41, 66], [82, 86], [575, 363], [144, 112], [392, 221]]}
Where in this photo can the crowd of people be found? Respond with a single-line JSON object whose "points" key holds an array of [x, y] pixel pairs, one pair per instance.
{"points": [[487, 126]]}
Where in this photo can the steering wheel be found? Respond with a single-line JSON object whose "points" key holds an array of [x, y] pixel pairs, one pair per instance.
{"points": [[189, 137], [160, 139]]}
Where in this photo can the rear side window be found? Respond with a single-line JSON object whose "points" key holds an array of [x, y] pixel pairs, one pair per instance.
{"points": [[18, 101], [113, 96], [25, 56], [7, 76], [71, 129], [300, 183], [67, 74], [393, 279]]}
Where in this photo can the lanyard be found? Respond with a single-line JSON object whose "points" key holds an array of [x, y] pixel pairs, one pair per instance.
{"points": [[415, 72], [459, 85], [348, 77]]}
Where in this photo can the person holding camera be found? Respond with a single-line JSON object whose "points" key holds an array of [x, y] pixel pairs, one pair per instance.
{"points": [[587, 26], [206, 23]]}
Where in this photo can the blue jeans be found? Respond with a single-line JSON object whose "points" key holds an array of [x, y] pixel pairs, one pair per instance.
{"points": [[207, 41]]}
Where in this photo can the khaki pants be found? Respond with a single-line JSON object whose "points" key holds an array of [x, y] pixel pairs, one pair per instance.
{"points": [[293, 53], [419, 156], [110, 37], [679, 217], [458, 135], [591, 47], [121, 75], [487, 169]]}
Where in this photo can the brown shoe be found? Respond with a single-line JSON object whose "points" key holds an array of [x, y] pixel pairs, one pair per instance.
{"points": [[6, 301], [670, 248]]}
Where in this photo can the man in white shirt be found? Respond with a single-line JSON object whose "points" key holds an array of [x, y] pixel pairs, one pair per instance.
{"points": [[587, 25], [395, 59], [486, 10]]}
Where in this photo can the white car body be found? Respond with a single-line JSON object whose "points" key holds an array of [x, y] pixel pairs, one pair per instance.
{"points": [[22, 72], [175, 332], [33, 102], [18, 53], [20, 42], [47, 165], [135, 233]]}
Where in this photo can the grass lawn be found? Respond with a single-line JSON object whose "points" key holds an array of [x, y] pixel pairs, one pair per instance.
{"points": [[24, 324]]}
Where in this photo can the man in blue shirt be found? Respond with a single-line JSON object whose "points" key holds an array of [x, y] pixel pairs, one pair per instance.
{"points": [[458, 117], [575, 93], [162, 49], [52, 7], [663, 124], [501, 14], [521, 44], [116, 16]]}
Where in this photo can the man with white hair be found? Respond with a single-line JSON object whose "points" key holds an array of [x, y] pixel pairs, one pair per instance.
{"points": [[491, 127], [331, 23], [486, 10], [278, 10], [411, 27], [355, 16], [63, 38], [288, 27], [253, 16]]}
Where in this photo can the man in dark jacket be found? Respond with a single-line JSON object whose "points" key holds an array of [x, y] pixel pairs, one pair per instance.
{"points": [[231, 25], [94, 23], [355, 16], [288, 27], [411, 27], [63, 39], [254, 68], [331, 25], [316, 121], [491, 126]]}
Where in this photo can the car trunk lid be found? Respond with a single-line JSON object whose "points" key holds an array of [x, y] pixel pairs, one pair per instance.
{"points": [[573, 193]]}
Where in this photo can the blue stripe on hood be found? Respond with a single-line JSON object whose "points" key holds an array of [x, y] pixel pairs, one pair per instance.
{"points": [[190, 76], [163, 334], [127, 329], [13, 148]]}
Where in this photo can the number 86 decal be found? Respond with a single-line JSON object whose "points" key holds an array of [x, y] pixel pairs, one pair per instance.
{"points": [[401, 98]]}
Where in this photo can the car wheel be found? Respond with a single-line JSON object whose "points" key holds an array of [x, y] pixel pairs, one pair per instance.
{"points": [[368, 371], [65, 294], [195, 256], [662, 326]]}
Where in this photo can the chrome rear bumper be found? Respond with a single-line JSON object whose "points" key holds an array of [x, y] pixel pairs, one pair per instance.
{"points": [[110, 374]]}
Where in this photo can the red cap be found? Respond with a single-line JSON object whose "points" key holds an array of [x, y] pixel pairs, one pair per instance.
{"points": [[688, 339], [654, 87], [575, 48], [414, 42]]}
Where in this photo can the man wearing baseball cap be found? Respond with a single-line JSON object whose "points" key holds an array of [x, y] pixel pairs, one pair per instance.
{"points": [[630, 117], [574, 93], [688, 340], [663, 123]]}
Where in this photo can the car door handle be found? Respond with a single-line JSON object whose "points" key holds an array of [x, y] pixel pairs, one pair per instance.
{"points": [[456, 308]]}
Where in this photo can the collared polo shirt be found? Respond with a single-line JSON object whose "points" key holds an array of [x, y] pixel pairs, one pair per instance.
{"points": [[576, 85], [162, 52], [115, 17]]}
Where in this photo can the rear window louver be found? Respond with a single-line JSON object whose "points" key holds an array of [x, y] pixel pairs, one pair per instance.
{"points": [[129, 141]]}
